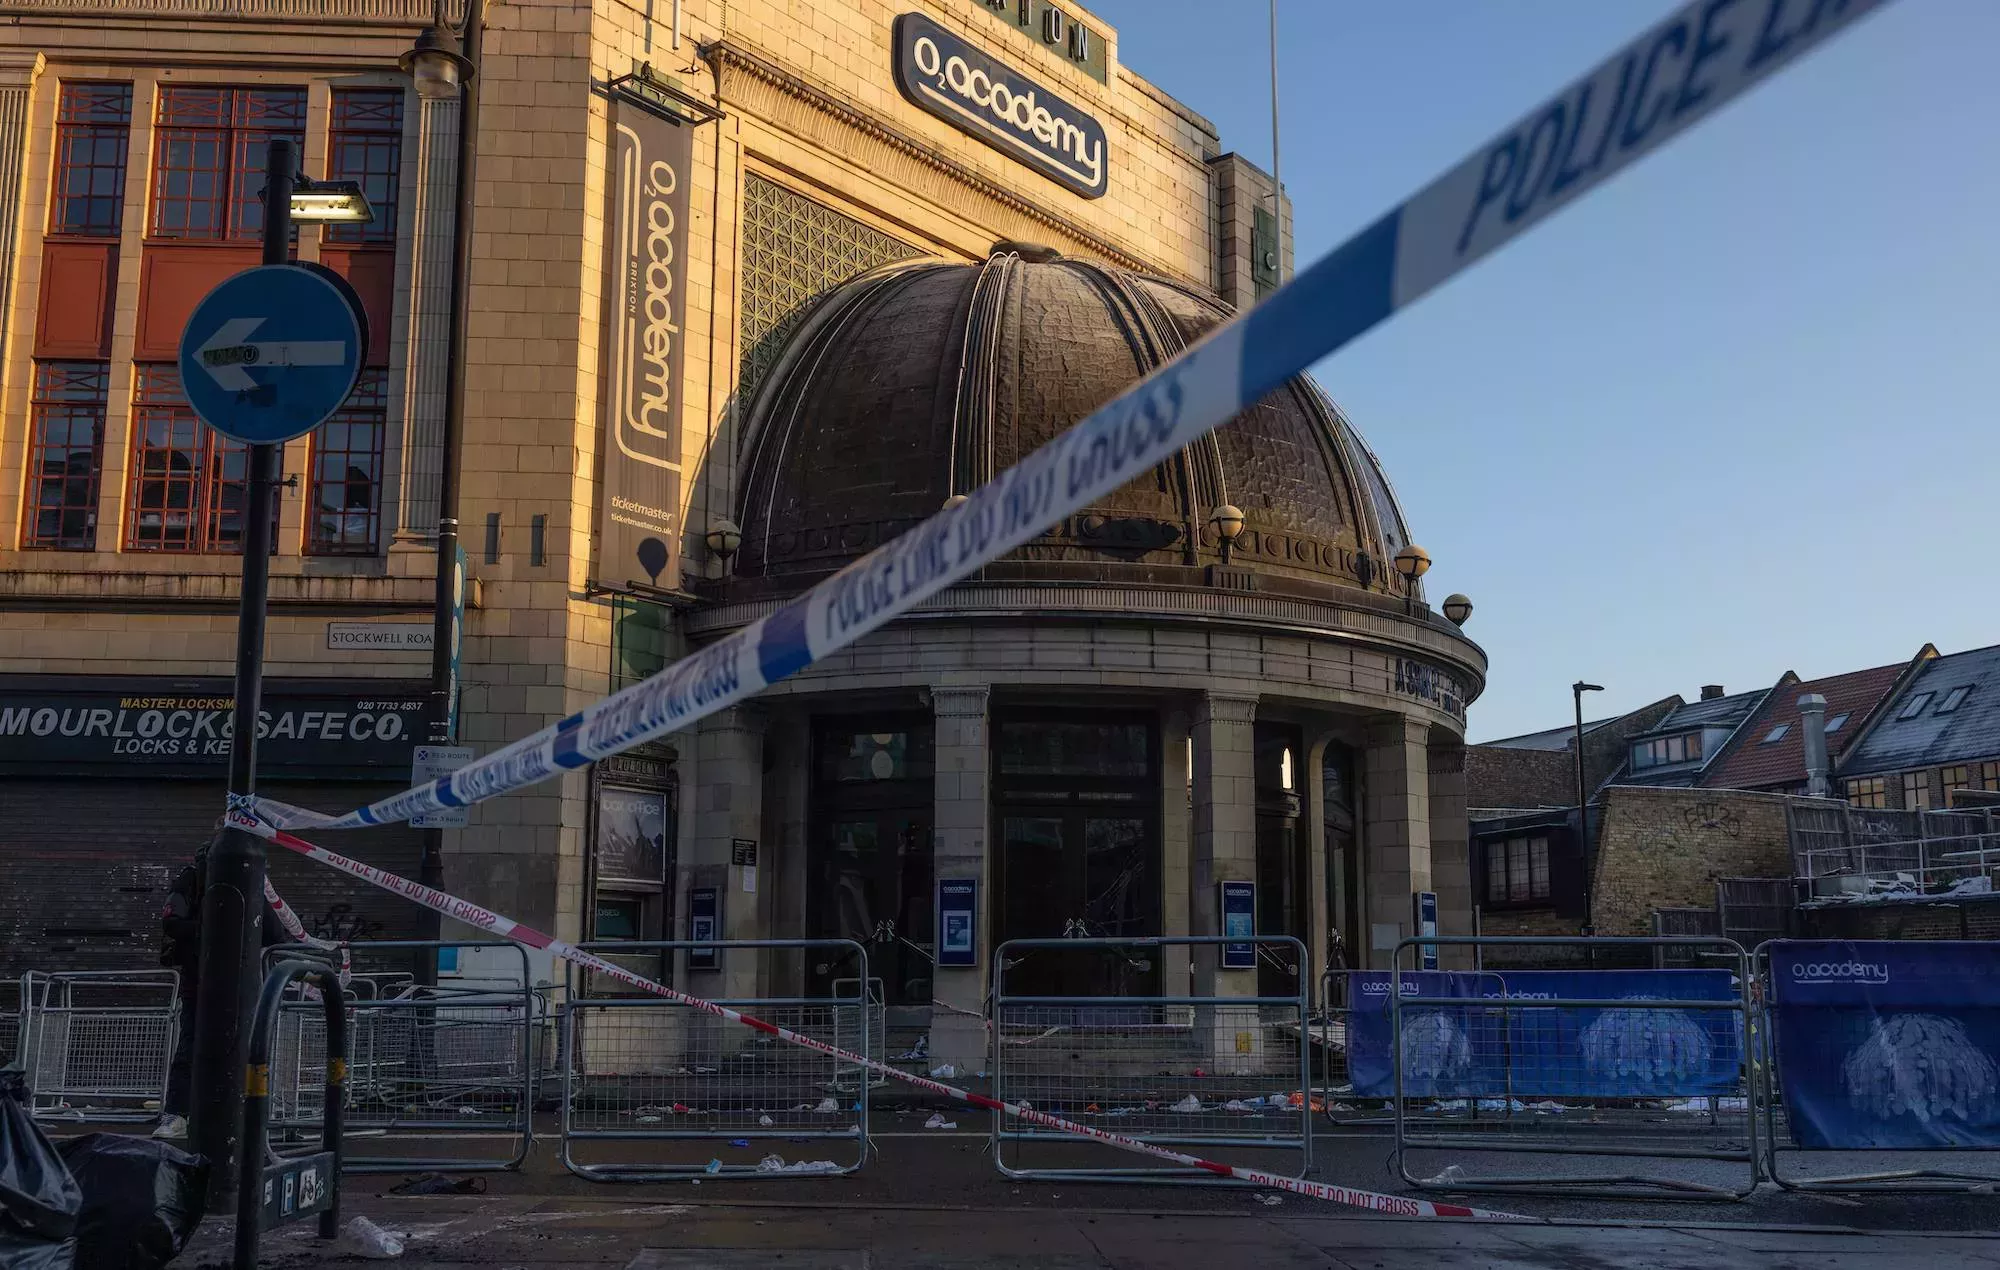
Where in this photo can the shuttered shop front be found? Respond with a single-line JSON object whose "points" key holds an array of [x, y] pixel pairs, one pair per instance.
{"points": [[108, 787]]}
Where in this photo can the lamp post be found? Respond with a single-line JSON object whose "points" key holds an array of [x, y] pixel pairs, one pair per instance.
{"points": [[1412, 562], [1228, 522], [1577, 690], [443, 64], [1457, 608], [232, 884]]}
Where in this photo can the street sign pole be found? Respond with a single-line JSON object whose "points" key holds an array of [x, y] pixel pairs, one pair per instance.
{"points": [[232, 906]]}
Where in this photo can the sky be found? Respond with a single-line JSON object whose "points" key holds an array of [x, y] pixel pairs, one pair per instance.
{"points": [[1723, 417]]}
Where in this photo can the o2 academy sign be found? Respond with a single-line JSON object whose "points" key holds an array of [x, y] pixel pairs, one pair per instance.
{"points": [[943, 75]]}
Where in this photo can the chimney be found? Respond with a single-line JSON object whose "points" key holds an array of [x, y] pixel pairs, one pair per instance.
{"points": [[1812, 730], [1710, 692]]}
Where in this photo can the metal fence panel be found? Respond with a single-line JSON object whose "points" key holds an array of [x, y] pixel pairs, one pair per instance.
{"points": [[1229, 1073], [1651, 1078], [96, 1044], [448, 1072], [1913, 1171], [655, 1089]]}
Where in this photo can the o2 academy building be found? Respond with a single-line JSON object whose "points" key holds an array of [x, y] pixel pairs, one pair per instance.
{"points": [[754, 290]]}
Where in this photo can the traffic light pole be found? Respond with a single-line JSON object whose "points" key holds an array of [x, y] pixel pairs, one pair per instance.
{"points": [[232, 902]]}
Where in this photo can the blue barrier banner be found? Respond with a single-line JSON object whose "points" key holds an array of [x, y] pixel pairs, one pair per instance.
{"points": [[1886, 1045], [1479, 1050]]}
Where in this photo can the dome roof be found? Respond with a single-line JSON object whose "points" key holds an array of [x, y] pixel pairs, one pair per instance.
{"points": [[926, 379]]}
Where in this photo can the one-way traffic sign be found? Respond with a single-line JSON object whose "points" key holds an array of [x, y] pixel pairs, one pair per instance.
{"points": [[273, 351]]}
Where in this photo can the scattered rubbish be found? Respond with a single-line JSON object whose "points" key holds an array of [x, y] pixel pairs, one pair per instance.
{"points": [[1237, 1104], [714, 1167], [1091, 1106], [649, 1120], [739, 1142], [470, 1111], [646, 1109], [937, 1121], [696, 1181], [1199, 1072], [980, 1075], [705, 1071], [1702, 1106], [681, 1110], [1270, 1199], [921, 1050], [827, 1107], [1546, 1105], [765, 1122], [39, 1200], [1452, 1173], [439, 1184], [363, 1238], [776, 1164], [1189, 1104], [944, 1071], [680, 1071]]}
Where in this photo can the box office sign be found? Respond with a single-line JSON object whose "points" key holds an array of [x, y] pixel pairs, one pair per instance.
{"points": [[943, 75], [645, 290], [180, 730]]}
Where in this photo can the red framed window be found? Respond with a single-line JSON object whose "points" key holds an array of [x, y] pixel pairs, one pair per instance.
{"points": [[65, 454], [188, 482], [93, 132], [344, 505], [365, 144], [208, 157]]}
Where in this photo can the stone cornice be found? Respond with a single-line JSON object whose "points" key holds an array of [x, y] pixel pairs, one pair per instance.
{"points": [[19, 68], [135, 592], [992, 601], [410, 13], [732, 55]]}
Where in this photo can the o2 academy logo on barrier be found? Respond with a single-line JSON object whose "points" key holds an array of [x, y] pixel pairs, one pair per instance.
{"points": [[943, 75]]}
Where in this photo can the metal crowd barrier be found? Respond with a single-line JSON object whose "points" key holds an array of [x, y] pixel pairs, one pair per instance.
{"points": [[1908, 1074], [1637, 1065], [10, 1020], [655, 1090], [444, 1077], [873, 1037], [1230, 1074], [96, 1044]]}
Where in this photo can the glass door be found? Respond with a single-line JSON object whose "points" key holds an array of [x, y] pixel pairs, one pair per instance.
{"points": [[1079, 874], [873, 886]]}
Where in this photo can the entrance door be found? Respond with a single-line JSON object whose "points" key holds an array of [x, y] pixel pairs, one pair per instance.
{"points": [[873, 886], [1080, 873]]}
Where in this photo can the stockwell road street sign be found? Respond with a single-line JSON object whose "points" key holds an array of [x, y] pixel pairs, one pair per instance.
{"points": [[273, 351]]}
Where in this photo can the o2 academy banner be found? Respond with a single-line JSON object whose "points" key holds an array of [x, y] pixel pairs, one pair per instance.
{"points": [[645, 288], [1885, 1045]]}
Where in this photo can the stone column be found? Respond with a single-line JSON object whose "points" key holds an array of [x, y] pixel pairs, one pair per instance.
{"points": [[961, 817], [430, 320], [1313, 787], [787, 794], [1451, 852], [1396, 831], [1176, 849], [1225, 850], [18, 72], [729, 794]]}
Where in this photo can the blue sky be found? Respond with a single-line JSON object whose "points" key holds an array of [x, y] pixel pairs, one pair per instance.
{"points": [[1722, 418]]}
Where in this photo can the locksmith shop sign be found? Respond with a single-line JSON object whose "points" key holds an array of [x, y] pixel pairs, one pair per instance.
{"points": [[318, 730], [943, 75]]}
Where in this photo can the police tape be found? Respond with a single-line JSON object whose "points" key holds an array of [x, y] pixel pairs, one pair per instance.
{"points": [[295, 930], [1649, 92], [485, 919]]}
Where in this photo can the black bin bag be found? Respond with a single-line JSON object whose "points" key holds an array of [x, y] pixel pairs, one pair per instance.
{"points": [[39, 1200], [142, 1199]]}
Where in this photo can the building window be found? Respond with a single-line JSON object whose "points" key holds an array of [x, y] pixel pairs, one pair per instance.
{"points": [[1776, 734], [365, 144], [1954, 698], [1667, 750], [1517, 871], [1989, 776], [1916, 706], [345, 502], [66, 439], [1916, 791], [1869, 791], [794, 251], [1952, 778], [1833, 724], [93, 127], [209, 156], [187, 479]]}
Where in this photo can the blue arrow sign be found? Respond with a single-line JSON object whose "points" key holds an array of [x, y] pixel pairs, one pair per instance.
{"points": [[272, 352]]}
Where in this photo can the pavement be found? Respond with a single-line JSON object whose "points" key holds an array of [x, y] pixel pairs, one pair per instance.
{"points": [[934, 1199]]}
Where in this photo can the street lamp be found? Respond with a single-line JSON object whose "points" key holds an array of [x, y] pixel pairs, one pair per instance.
{"points": [[330, 203], [1577, 690], [1412, 562], [1457, 607], [444, 63], [723, 539], [1228, 522]]}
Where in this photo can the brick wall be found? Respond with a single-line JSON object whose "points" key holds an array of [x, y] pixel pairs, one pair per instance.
{"points": [[1497, 777], [1666, 848], [1965, 919]]}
